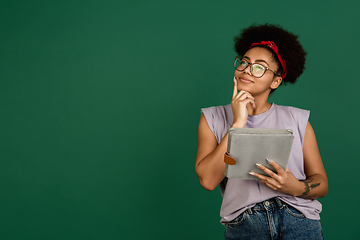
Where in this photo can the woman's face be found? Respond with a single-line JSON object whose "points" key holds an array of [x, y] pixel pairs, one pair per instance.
{"points": [[247, 82]]}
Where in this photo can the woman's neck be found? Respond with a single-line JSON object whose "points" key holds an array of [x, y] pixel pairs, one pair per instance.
{"points": [[259, 109], [261, 105]]}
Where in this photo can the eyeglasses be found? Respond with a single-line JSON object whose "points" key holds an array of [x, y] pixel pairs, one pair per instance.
{"points": [[256, 69]]}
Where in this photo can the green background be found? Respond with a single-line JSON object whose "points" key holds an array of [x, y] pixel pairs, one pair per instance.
{"points": [[100, 103]]}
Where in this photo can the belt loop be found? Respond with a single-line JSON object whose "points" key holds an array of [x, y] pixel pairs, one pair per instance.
{"points": [[249, 211], [280, 203]]}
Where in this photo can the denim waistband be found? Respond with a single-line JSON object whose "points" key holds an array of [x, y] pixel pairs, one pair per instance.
{"points": [[267, 204]]}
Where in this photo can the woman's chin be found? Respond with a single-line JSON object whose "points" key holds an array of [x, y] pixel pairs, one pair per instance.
{"points": [[244, 88]]}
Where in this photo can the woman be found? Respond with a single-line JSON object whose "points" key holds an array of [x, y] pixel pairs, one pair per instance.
{"points": [[281, 205]]}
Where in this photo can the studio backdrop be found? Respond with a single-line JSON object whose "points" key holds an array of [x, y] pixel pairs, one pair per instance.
{"points": [[100, 103]]}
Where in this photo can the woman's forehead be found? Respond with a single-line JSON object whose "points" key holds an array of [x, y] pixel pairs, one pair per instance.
{"points": [[259, 53]]}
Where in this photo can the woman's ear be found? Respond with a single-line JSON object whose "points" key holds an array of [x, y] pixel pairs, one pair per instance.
{"points": [[276, 82]]}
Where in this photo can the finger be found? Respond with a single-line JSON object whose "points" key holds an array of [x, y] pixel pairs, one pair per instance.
{"points": [[278, 168], [259, 176], [266, 180], [235, 92], [272, 186], [268, 171], [243, 95], [243, 103], [252, 102], [262, 178], [248, 101]]}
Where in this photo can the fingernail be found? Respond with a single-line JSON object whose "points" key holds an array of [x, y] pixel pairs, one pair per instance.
{"points": [[269, 160], [234, 79], [251, 173], [258, 165]]}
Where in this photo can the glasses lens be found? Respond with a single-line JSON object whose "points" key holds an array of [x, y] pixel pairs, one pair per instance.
{"points": [[257, 70], [240, 64]]}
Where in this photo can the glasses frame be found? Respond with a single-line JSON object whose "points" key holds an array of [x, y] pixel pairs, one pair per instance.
{"points": [[251, 67]]}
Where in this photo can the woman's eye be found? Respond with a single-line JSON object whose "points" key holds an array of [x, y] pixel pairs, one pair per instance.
{"points": [[259, 68], [243, 63]]}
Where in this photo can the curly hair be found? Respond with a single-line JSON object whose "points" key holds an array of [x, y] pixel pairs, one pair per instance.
{"points": [[290, 48]]}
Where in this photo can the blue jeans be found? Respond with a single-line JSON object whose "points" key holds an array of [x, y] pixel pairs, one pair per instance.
{"points": [[273, 219]]}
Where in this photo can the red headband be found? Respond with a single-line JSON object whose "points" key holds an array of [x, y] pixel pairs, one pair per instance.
{"points": [[273, 46]]}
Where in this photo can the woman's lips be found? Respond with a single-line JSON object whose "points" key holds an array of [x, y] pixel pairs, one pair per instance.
{"points": [[244, 80]]}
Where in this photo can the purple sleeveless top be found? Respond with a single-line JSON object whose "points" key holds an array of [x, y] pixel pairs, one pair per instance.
{"points": [[239, 195]]}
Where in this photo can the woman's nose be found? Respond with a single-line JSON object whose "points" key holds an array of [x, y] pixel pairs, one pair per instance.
{"points": [[248, 69]]}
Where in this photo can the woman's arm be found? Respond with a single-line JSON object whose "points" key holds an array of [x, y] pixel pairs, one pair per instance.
{"points": [[316, 183], [209, 164]]}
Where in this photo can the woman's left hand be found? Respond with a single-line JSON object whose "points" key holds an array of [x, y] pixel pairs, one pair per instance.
{"points": [[283, 181]]}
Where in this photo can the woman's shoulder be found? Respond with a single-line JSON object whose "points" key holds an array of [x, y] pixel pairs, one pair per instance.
{"points": [[298, 115], [218, 112], [218, 108], [223, 111], [294, 111], [219, 119]]}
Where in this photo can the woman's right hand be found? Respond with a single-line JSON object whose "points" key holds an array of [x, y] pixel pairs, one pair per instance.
{"points": [[239, 103]]}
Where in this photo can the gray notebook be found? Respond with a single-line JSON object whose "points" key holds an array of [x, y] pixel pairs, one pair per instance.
{"points": [[248, 146]]}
